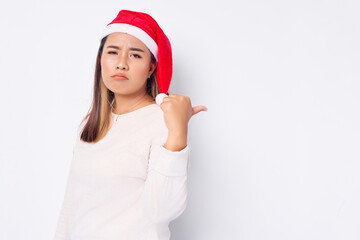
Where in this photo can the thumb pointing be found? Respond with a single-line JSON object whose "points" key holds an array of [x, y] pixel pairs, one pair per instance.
{"points": [[198, 109]]}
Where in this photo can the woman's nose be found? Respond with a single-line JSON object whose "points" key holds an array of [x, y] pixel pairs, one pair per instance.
{"points": [[122, 64]]}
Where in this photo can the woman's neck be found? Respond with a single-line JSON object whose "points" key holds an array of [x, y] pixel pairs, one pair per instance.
{"points": [[125, 104]]}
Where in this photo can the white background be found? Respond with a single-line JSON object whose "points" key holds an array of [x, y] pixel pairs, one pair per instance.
{"points": [[275, 157]]}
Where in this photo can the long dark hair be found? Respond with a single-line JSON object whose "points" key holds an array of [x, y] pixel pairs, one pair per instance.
{"points": [[98, 121]]}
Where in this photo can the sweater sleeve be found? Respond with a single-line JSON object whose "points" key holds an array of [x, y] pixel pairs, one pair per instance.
{"points": [[67, 212], [164, 197], [69, 205]]}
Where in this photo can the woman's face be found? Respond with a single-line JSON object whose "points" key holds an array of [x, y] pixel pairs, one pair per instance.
{"points": [[127, 55]]}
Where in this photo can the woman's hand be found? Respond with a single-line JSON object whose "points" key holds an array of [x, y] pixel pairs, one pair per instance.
{"points": [[177, 113]]}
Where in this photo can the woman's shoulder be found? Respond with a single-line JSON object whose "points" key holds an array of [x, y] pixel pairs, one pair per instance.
{"points": [[155, 109], [156, 123], [156, 116]]}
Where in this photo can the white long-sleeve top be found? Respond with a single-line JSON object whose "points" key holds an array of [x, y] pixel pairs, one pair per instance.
{"points": [[127, 186]]}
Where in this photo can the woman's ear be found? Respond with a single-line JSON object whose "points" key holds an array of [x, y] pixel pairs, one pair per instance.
{"points": [[153, 66]]}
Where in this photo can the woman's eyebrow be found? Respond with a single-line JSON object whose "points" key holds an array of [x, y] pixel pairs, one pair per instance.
{"points": [[132, 48]]}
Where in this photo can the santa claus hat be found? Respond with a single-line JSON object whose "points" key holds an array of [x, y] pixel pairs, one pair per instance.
{"points": [[147, 30]]}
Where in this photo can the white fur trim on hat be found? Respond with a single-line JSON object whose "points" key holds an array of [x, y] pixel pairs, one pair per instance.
{"points": [[136, 32], [160, 97]]}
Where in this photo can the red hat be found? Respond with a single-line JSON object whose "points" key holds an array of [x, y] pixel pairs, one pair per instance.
{"points": [[146, 29]]}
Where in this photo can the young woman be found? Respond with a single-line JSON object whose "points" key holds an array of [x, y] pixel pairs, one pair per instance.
{"points": [[128, 175]]}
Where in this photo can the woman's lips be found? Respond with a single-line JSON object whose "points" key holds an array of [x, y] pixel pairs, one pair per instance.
{"points": [[120, 77]]}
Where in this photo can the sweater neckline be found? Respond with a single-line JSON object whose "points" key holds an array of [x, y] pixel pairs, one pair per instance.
{"points": [[134, 112]]}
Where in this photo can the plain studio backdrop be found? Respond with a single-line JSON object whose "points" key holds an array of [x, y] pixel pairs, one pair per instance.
{"points": [[275, 157]]}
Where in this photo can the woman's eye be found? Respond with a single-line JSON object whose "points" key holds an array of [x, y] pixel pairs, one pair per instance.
{"points": [[137, 56]]}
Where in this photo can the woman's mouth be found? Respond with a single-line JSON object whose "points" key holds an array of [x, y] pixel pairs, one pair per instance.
{"points": [[120, 77]]}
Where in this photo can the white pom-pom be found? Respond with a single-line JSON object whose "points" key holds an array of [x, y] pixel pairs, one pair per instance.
{"points": [[159, 98]]}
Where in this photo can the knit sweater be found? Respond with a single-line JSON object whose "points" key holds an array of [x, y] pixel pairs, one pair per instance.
{"points": [[127, 186]]}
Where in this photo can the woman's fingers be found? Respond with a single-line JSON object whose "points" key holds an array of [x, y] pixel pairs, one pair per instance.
{"points": [[171, 97]]}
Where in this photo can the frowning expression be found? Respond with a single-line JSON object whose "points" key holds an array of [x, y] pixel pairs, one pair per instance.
{"points": [[128, 57]]}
